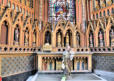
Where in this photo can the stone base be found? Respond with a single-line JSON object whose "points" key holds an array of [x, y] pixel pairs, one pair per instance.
{"points": [[19, 77]]}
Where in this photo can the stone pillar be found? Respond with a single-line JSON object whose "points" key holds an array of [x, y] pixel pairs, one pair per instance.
{"points": [[37, 38], [0, 66], [53, 64], [90, 63], [74, 40], [12, 34], [39, 63], [9, 33], [46, 10], [54, 40], [21, 37]]}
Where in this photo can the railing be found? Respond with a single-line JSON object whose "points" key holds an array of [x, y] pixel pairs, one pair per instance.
{"points": [[10, 49], [102, 49]]}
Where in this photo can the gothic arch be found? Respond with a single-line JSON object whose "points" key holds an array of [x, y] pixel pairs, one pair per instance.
{"points": [[99, 26], [108, 28], [5, 30], [59, 28], [68, 27], [47, 30], [4, 33], [61, 24], [89, 29]]}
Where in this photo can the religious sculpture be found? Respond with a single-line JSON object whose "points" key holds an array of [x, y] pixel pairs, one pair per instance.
{"points": [[91, 40], [67, 62], [34, 37], [100, 39], [47, 38], [59, 39], [67, 39], [78, 40], [112, 37], [16, 35], [26, 38], [45, 64]]}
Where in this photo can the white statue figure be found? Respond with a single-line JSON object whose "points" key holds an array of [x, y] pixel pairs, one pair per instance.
{"points": [[16, 35], [67, 61]]}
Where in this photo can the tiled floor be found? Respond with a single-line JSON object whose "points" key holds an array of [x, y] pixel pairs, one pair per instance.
{"points": [[74, 77]]}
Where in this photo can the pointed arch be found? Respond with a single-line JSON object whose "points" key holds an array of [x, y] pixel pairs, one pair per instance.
{"points": [[4, 33]]}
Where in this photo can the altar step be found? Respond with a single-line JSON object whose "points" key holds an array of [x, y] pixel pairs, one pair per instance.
{"points": [[74, 77]]}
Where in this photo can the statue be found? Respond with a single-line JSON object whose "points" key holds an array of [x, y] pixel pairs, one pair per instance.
{"points": [[59, 39], [34, 38], [112, 37], [101, 39], [67, 62], [78, 40], [67, 39], [47, 38], [16, 34], [26, 37], [91, 40]]}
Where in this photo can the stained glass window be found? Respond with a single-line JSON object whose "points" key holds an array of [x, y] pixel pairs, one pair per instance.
{"points": [[61, 9]]}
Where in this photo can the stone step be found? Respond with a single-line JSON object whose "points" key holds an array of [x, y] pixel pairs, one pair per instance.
{"points": [[73, 77]]}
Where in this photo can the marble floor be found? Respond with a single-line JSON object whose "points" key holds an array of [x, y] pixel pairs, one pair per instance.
{"points": [[74, 77]]}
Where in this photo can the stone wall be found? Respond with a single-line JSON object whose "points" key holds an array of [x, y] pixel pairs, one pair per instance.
{"points": [[17, 67], [103, 62]]}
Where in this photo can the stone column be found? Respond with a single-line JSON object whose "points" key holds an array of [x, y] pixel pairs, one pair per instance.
{"points": [[74, 40], [39, 63], [12, 34], [0, 66], [46, 10], [21, 37], [9, 33], [54, 40], [90, 63]]}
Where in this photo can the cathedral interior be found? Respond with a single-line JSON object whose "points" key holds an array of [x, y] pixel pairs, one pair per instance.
{"points": [[34, 34]]}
